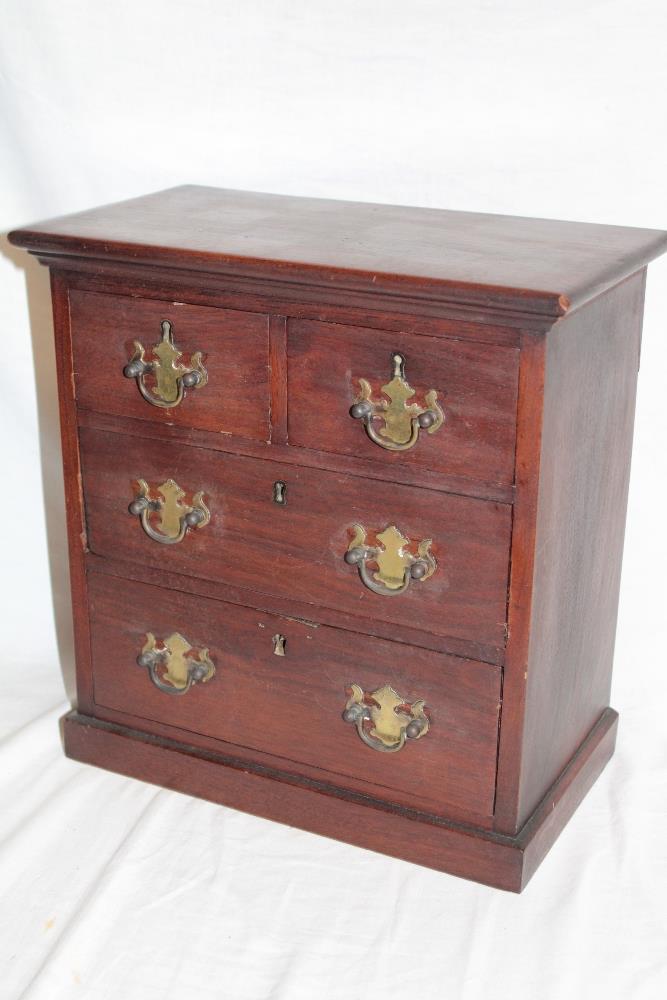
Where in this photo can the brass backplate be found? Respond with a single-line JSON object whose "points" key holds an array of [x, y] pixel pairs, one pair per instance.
{"points": [[176, 660], [168, 517], [386, 717], [165, 369], [392, 556], [397, 413]]}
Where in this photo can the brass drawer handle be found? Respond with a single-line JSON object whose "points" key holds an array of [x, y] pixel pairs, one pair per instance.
{"points": [[173, 665], [173, 516], [383, 719], [396, 566], [171, 378], [402, 420]]}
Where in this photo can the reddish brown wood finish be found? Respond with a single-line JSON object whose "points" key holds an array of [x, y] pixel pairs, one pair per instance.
{"points": [[468, 297], [297, 551], [522, 562], [235, 346], [76, 523], [494, 859], [476, 386], [291, 706], [278, 368], [364, 306], [575, 517], [288, 606], [537, 266], [354, 466]]}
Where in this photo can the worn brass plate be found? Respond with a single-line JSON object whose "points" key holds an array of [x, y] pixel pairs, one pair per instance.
{"points": [[176, 663], [384, 719], [392, 557], [163, 513], [401, 419], [169, 376]]}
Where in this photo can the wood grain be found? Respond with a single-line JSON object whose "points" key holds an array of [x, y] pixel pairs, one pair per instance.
{"points": [[533, 265], [476, 386], [493, 859], [522, 566], [589, 401], [297, 551], [235, 346], [75, 516], [576, 417], [290, 608], [278, 368], [368, 468], [529, 330], [291, 706], [282, 298]]}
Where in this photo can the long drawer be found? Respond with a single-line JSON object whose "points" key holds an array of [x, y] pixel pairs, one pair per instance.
{"points": [[281, 687], [287, 531]]}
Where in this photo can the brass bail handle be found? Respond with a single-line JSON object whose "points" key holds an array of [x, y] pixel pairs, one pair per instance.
{"points": [[402, 420], [170, 378], [173, 665], [384, 720], [395, 566], [164, 516]]}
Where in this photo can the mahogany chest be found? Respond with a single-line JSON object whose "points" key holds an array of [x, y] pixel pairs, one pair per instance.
{"points": [[346, 491]]}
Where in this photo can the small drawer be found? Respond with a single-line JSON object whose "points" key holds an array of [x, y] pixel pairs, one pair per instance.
{"points": [[296, 533], [465, 395], [291, 706], [223, 354]]}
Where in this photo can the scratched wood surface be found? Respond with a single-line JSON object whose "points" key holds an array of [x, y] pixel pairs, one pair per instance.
{"points": [[234, 344], [533, 265], [529, 332], [476, 386], [291, 705], [298, 550]]}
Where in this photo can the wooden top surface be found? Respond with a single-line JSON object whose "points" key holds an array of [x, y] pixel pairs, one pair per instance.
{"points": [[500, 262]]}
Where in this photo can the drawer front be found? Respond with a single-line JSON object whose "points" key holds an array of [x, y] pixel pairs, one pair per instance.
{"points": [[291, 705], [232, 371], [297, 551], [475, 385]]}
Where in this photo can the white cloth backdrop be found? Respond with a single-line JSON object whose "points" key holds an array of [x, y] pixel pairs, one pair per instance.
{"points": [[114, 889]]}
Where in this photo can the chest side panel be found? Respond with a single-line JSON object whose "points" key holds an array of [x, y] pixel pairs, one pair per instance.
{"points": [[591, 362]]}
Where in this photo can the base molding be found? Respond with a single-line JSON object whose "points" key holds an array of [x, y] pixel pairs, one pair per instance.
{"points": [[498, 860]]}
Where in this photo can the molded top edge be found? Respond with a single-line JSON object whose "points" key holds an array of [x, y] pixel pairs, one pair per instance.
{"points": [[533, 266]]}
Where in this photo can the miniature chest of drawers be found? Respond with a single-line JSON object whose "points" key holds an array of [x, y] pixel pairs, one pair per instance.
{"points": [[346, 491]]}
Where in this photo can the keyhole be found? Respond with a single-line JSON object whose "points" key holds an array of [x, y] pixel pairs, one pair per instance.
{"points": [[279, 644], [280, 493]]}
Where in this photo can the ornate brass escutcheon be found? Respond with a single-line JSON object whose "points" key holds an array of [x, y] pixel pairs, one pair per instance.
{"points": [[396, 566], [174, 666], [165, 518], [383, 719], [402, 420], [170, 378]]}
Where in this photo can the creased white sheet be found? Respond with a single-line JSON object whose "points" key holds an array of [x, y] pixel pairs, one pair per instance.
{"points": [[114, 890]]}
